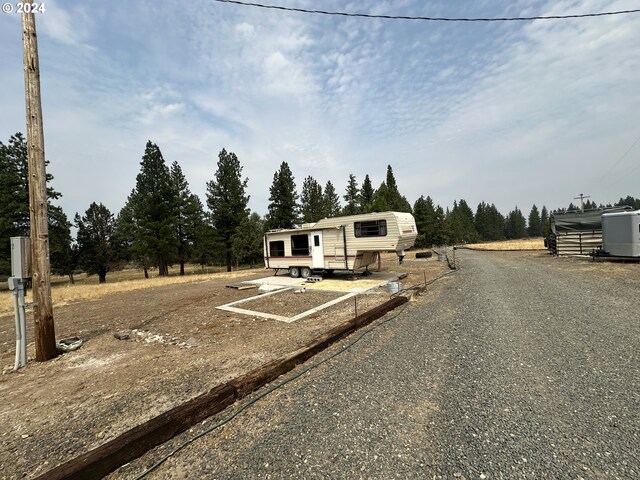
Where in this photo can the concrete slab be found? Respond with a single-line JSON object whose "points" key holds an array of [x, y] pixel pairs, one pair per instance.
{"points": [[349, 286], [281, 281]]}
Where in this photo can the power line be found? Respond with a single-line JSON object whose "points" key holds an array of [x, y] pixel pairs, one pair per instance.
{"points": [[600, 185], [429, 19]]}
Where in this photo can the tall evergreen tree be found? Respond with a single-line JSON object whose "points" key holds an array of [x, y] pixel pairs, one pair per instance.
{"points": [[283, 206], [63, 255], [312, 205], [366, 195], [493, 224], [95, 234], [534, 228], [515, 225], [387, 196], [461, 223], [482, 221], [440, 234], [395, 201], [352, 197], [545, 225], [153, 205], [14, 207], [380, 201], [227, 200], [429, 228], [189, 215], [331, 201], [248, 241]]}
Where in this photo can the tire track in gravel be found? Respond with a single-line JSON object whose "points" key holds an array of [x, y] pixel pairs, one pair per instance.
{"points": [[521, 368]]}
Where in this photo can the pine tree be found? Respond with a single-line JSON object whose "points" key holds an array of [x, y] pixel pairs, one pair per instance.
{"points": [[312, 205], [387, 196], [482, 221], [496, 224], [545, 226], [14, 207], [62, 254], [95, 234], [227, 200], [283, 207], [461, 223], [534, 228], [189, 215], [153, 206], [380, 201], [248, 241], [331, 201], [352, 197], [366, 195], [515, 225], [429, 228], [629, 201], [395, 201], [440, 234]]}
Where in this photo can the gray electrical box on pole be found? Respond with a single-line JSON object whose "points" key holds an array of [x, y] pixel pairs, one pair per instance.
{"points": [[20, 275], [20, 257]]}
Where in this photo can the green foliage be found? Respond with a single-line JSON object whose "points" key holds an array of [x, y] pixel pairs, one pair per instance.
{"points": [[248, 240], [152, 207], [227, 200], [534, 228], [430, 222], [515, 225], [352, 197], [629, 201], [209, 247], [311, 201], [95, 233], [489, 222], [461, 223], [63, 257], [380, 201], [14, 208], [366, 196], [189, 214], [331, 201], [387, 197], [283, 207], [545, 223]]}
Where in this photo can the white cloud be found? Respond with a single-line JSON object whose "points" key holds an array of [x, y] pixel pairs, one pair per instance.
{"points": [[509, 114]]}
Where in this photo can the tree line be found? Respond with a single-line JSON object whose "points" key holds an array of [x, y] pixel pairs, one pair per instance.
{"points": [[162, 223]]}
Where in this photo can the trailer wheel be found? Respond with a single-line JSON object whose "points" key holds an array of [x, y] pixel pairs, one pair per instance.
{"points": [[305, 272], [294, 272]]}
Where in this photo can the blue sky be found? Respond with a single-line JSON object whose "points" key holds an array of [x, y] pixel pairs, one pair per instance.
{"points": [[508, 113]]}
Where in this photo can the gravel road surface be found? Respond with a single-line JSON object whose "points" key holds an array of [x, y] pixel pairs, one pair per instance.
{"points": [[521, 367]]}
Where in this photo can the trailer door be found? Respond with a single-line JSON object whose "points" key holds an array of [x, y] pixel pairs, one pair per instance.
{"points": [[317, 250]]}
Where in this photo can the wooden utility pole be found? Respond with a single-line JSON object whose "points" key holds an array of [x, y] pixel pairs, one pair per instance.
{"points": [[581, 198], [45, 336]]}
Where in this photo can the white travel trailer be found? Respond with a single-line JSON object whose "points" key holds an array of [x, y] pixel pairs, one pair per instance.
{"points": [[341, 243]]}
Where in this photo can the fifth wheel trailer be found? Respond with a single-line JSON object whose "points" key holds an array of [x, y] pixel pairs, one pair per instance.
{"points": [[621, 234], [341, 243]]}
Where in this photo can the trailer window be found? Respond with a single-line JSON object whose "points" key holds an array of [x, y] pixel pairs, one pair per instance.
{"points": [[299, 244], [276, 249], [371, 228]]}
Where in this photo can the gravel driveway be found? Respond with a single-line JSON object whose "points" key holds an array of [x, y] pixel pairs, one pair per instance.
{"points": [[521, 366]]}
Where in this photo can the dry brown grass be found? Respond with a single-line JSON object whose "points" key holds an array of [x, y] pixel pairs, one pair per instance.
{"points": [[88, 288], [521, 244]]}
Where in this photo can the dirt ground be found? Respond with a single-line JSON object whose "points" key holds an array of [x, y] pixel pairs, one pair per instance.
{"points": [[179, 346]]}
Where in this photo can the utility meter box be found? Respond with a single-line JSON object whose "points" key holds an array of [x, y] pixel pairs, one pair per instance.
{"points": [[21, 257]]}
